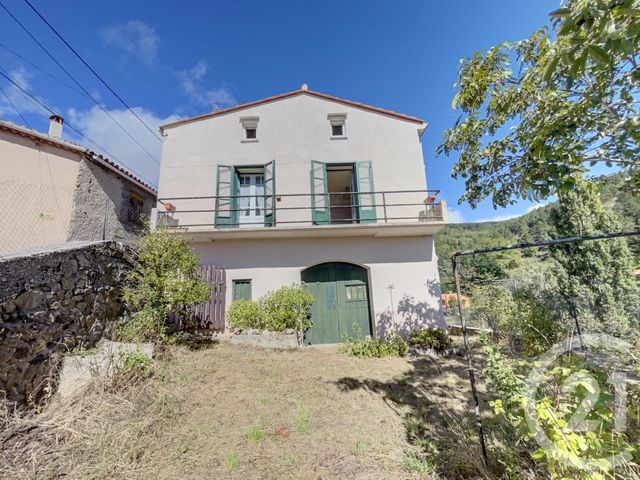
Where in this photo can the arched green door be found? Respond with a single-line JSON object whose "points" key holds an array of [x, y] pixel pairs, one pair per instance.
{"points": [[341, 306]]}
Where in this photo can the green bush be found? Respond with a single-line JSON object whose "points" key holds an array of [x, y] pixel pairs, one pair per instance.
{"points": [[245, 314], [164, 280], [283, 309], [435, 338], [391, 346], [287, 307]]}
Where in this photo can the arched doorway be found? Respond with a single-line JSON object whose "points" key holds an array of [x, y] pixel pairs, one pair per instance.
{"points": [[341, 306]]}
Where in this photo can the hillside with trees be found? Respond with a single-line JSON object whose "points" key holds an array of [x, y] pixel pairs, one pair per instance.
{"points": [[533, 226]]}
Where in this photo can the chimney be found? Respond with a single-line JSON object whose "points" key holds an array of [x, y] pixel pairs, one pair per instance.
{"points": [[55, 126]]}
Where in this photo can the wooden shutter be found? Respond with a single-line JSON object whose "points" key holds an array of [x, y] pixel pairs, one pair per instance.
{"points": [[270, 194], [319, 196], [241, 290], [367, 199], [226, 204]]}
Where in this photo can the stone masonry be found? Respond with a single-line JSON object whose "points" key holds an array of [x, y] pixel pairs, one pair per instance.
{"points": [[52, 302]]}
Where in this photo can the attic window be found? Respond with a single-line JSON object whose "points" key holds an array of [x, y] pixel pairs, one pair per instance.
{"points": [[338, 125], [249, 129]]}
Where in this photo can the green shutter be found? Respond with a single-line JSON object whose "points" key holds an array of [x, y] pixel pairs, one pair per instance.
{"points": [[269, 194], [319, 197], [241, 290], [226, 205], [367, 200]]}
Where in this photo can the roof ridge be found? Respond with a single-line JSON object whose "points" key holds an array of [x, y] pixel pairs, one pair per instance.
{"points": [[301, 91]]}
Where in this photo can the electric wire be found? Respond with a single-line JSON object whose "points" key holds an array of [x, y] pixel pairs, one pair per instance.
{"points": [[90, 68], [15, 107], [26, 30], [39, 102]]}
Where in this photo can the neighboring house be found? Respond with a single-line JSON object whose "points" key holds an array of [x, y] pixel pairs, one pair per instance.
{"points": [[306, 187], [54, 191]]}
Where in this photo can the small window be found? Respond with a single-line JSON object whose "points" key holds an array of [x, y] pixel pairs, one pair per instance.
{"points": [[249, 128], [356, 292], [338, 124], [241, 290]]}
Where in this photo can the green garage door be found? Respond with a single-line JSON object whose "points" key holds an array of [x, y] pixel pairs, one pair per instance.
{"points": [[341, 306]]}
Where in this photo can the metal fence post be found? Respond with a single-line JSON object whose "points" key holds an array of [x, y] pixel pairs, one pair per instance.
{"points": [[472, 378]]}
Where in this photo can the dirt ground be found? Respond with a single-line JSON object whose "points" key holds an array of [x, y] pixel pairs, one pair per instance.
{"points": [[232, 412]]}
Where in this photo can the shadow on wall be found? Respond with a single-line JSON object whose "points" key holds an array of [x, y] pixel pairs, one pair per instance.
{"points": [[412, 315]]}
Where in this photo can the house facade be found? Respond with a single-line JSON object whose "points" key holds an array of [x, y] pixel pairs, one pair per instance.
{"points": [[306, 187], [55, 191]]}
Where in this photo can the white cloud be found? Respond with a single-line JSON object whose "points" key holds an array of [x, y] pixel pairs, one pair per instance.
{"points": [[135, 38], [20, 101], [190, 81], [455, 216], [98, 127]]}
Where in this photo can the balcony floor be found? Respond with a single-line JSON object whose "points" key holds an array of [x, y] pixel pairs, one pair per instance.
{"points": [[413, 229]]}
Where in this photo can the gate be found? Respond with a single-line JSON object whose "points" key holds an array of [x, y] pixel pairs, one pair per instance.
{"points": [[210, 315]]}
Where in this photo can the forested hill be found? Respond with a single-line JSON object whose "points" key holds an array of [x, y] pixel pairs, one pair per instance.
{"points": [[535, 225]]}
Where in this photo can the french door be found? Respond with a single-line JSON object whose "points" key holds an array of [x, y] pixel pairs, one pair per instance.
{"points": [[251, 200]]}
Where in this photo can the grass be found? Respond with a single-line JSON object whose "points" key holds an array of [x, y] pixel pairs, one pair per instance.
{"points": [[255, 434], [302, 418], [313, 413], [232, 461]]}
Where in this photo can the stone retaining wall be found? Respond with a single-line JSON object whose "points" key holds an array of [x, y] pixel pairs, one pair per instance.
{"points": [[52, 302]]}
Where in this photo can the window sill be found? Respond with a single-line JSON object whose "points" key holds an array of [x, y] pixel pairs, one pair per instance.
{"points": [[339, 138], [252, 140]]}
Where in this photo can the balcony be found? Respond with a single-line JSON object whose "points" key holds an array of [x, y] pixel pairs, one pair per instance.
{"points": [[376, 213]]}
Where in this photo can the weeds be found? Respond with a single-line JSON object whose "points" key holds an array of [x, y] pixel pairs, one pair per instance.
{"points": [[302, 418], [255, 434], [232, 461], [390, 346]]}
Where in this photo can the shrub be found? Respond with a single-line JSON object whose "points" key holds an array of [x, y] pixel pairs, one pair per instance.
{"points": [[391, 346], [245, 314], [435, 338], [164, 280], [287, 307], [283, 309]]}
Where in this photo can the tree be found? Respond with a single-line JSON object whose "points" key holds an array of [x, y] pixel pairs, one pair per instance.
{"points": [[535, 114], [163, 281], [595, 277]]}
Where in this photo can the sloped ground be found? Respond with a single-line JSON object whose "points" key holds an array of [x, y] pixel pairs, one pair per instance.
{"points": [[230, 412]]}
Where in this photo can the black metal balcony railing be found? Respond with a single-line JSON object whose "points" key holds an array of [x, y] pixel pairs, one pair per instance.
{"points": [[333, 208]]}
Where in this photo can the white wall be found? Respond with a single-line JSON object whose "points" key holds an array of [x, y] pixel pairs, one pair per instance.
{"points": [[37, 183], [292, 131], [407, 264]]}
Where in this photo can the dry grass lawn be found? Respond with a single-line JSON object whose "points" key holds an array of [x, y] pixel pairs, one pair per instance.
{"points": [[230, 412]]}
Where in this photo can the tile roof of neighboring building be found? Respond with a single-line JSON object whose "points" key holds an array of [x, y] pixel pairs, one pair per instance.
{"points": [[301, 91], [68, 145]]}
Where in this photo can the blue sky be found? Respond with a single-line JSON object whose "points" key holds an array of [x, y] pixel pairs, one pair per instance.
{"points": [[169, 60]]}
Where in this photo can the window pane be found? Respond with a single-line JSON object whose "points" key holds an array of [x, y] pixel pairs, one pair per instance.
{"points": [[250, 133], [336, 130]]}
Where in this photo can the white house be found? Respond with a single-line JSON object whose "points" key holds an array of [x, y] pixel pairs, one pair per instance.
{"points": [[307, 187]]}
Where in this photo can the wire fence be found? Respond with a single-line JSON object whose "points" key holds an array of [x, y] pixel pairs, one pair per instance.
{"points": [[555, 295], [36, 216]]}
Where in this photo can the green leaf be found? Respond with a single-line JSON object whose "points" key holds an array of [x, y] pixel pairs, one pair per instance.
{"points": [[599, 55], [560, 13], [551, 68]]}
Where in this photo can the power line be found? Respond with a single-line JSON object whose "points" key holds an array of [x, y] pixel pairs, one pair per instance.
{"points": [[90, 68], [39, 102], [76, 82], [37, 67], [14, 107]]}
